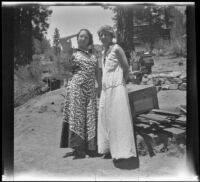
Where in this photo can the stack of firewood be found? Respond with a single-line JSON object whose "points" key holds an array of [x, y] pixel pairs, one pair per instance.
{"points": [[159, 126]]}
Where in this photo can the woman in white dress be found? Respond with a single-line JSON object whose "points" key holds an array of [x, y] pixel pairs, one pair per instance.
{"points": [[115, 136]]}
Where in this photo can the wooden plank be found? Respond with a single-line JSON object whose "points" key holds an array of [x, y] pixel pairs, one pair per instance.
{"points": [[163, 112], [141, 125], [154, 139], [178, 126], [148, 142], [156, 117], [147, 121], [183, 109], [175, 132], [181, 120]]}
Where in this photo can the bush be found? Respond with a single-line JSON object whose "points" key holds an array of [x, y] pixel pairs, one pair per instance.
{"points": [[176, 47], [30, 72]]}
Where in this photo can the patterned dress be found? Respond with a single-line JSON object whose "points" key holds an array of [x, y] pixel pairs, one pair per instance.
{"points": [[115, 127], [80, 109]]}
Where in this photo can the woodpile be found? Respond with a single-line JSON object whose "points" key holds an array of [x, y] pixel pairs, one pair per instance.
{"points": [[157, 129]]}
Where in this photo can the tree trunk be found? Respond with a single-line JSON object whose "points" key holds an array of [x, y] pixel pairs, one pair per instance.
{"points": [[125, 30]]}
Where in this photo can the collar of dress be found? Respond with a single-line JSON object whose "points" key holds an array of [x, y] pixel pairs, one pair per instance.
{"points": [[86, 52], [106, 51]]}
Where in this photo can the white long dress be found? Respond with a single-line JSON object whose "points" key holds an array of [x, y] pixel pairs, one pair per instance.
{"points": [[115, 127]]}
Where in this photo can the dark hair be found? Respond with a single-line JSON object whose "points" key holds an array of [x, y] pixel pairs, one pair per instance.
{"points": [[90, 36]]}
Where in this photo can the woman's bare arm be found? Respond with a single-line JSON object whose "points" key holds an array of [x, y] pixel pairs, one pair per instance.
{"points": [[98, 78], [123, 61]]}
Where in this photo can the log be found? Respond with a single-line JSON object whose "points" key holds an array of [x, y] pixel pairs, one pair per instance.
{"points": [[181, 120], [156, 117], [175, 132], [163, 112]]}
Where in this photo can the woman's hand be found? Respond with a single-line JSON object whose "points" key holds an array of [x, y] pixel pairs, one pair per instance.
{"points": [[126, 75], [66, 45]]}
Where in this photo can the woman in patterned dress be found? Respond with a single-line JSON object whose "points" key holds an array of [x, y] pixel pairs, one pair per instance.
{"points": [[80, 109], [115, 136]]}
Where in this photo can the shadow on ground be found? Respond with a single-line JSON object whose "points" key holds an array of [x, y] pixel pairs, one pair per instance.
{"points": [[130, 163]]}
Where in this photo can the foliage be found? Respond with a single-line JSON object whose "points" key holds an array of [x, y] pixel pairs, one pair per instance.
{"points": [[45, 45], [56, 42], [158, 19], [40, 47], [178, 33], [30, 22], [30, 72], [123, 19], [164, 22]]}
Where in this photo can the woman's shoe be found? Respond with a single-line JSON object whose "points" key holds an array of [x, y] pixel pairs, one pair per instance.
{"points": [[93, 154], [69, 154], [79, 154]]}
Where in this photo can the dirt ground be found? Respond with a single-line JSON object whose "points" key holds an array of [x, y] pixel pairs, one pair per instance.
{"points": [[37, 156]]}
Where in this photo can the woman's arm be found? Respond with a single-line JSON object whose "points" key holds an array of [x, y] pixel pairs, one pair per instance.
{"points": [[98, 78], [123, 61]]}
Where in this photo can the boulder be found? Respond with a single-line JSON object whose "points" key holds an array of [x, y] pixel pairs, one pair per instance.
{"points": [[150, 76], [165, 87], [182, 86], [162, 75], [150, 82], [167, 82], [157, 81], [183, 76], [174, 74], [177, 80], [173, 86]]}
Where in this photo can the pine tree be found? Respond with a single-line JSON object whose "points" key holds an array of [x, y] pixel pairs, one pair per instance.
{"points": [[126, 17], [29, 22], [56, 42]]}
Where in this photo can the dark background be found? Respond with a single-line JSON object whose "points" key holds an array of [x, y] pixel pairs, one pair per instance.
{"points": [[8, 92]]}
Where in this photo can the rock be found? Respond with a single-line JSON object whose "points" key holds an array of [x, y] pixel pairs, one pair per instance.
{"points": [[157, 81], [173, 86], [175, 74], [160, 148], [184, 80], [162, 75], [177, 80], [180, 63], [167, 82], [165, 87], [150, 76], [183, 86], [176, 150], [162, 80], [145, 80], [183, 76], [141, 145], [150, 82], [154, 75]]}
